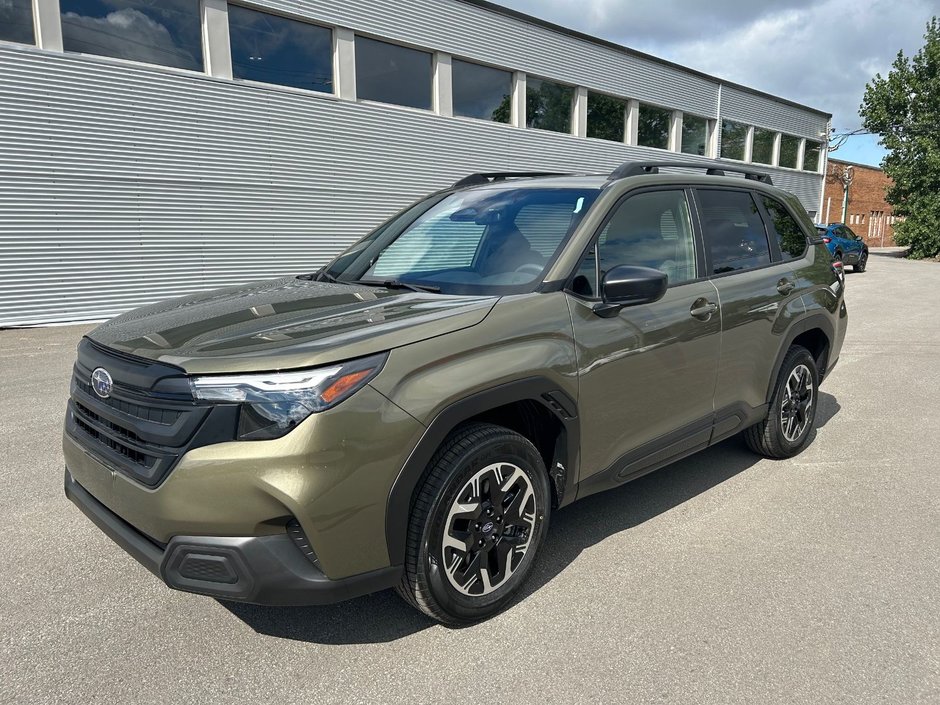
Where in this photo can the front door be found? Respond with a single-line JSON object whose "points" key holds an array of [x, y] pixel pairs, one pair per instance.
{"points": [[647, 375]]}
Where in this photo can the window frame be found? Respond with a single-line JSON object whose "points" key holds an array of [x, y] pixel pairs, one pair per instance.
{"points": [[401, 45], [464, 60], [773, 250], [530, 78], [721, 141], [698, 241], [671, 115], [708, 130]]}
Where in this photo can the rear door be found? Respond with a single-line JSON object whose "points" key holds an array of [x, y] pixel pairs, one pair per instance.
{"points": [[757, 294]]}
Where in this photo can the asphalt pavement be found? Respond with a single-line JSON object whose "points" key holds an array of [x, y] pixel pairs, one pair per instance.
{"points": [[722, 579]]}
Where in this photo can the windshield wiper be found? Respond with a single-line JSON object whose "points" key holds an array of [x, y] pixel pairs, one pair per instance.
{"points": [[396, 284], [321, 275]]}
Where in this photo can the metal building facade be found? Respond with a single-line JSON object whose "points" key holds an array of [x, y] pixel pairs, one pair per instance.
{"points": [[123, 183]]}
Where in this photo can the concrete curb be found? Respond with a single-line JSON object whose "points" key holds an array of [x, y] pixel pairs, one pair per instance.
{"points": [[888, 251]]}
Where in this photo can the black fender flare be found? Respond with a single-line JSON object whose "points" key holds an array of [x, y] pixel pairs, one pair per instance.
{"points": [[813, 320], [538, 389]]}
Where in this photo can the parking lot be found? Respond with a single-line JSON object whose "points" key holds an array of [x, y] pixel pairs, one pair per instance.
{"points": [[722, 579]]}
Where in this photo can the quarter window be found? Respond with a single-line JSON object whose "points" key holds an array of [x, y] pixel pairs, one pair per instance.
{"points": [[789, 151], [653, 127], [165, 33], [694, 134], [650, 229], [16, 21], [763, 150], [389, 73], [733, 140], [606, 117], [548, 105], [277, 50], [790, 236], [482, 92], [734, 232]]}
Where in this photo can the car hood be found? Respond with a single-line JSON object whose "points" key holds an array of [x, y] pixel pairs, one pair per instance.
{"points": [[284, 324]]}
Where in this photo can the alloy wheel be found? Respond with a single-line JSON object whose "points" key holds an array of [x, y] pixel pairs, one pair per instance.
{"points": [[796, 410]]}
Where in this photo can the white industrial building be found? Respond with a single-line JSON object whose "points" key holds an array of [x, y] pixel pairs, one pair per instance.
{"points": [[153, 148]]}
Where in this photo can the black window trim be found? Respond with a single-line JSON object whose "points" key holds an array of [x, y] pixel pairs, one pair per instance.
{"points": [[592, 244]]}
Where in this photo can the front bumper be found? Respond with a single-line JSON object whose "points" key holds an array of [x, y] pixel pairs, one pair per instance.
{"points": [[266, 570]]}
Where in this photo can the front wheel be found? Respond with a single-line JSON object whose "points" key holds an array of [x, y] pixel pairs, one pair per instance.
{"points": [[862, 262], [476, 525], [792, 414]]}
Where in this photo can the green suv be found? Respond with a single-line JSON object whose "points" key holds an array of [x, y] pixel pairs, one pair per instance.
{"points": [[410, 415]]}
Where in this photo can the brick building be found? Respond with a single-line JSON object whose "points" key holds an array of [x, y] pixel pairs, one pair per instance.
{"points": [[868, 213]]}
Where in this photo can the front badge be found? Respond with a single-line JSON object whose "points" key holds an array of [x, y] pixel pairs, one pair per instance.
{"points": [[102, 383]]}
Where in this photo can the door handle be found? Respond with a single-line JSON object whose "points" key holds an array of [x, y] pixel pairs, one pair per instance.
{"points": [[785, 286], [703, 309]]}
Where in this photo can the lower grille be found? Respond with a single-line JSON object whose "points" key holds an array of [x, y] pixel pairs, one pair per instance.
{"points": [[296, 532]]}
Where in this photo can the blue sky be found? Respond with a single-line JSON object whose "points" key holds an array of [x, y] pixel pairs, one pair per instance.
{"points": [[817, 52]]}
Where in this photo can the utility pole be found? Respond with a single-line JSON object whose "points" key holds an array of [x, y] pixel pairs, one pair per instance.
{"points": [[846, 179]]}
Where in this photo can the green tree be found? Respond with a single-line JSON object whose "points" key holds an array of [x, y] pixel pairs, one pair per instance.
{"points": [[903, 109]]}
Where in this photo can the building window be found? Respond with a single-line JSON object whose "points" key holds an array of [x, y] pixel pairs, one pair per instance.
{"points": [[789, 151], [389, 73], [694, 135], [653, 127], [763, 150], [548, 105], [274, 49], [733, 140], [811, 156], [482, 92], [16, 21], [165, 33], [606, 117]]}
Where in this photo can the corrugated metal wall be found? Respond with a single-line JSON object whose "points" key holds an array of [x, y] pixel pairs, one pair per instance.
{"points": [[123, 184]]}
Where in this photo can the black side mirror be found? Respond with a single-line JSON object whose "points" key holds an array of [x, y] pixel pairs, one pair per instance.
{"points": [[627, 285]]}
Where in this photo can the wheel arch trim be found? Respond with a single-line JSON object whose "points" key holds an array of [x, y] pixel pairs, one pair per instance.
{"points": [[805, 324]]}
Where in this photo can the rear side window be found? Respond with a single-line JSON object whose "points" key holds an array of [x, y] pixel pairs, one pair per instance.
{"points": [[790, 237], [734, 232]]}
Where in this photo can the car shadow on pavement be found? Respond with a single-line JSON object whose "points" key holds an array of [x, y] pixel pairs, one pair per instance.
{"points": [[384, 617]]}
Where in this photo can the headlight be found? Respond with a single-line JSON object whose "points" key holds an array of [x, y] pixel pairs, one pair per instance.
{"points": [[273, 403]]}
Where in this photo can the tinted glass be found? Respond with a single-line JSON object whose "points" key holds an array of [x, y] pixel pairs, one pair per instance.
{"points": [[16, 21], [389, 73], [694, 134], [734, 232], [548, 105], [763, 149], [480, 241], [275, 49], [482, 92], [168, 33], [648, 230], [653, 127], [811, 156], [789, 151], [790, 237], [606, 117], [733, 140]]}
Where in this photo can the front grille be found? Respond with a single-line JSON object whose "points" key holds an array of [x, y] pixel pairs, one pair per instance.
{"points": [[147, 423]]}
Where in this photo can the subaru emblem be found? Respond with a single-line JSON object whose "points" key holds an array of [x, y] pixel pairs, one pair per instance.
{"points": [[102, 383]]}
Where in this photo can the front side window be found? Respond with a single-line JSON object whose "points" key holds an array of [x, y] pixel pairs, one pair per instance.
{"points": [[734, 231], [650, 229], [694, 134], [388, 73], [167, 33], [789, 151], [790, 236], [733, 140], [481, 241], [763, 149], [653, 126], [482, 92], [606, 117], [16, 21], [811, 156], [548, 105], [274, 49]]}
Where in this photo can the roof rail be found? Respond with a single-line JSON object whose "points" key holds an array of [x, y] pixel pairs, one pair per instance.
{"points": [[486, 178], [628, 169]]}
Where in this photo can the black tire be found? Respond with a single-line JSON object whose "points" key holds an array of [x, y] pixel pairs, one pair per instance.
{"points": [[769, 437], [427, 584], [862, 262], [837, 256]]}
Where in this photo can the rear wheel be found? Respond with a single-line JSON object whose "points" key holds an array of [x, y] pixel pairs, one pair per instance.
{"points": [[837, 256], [792, 414], [476, 525], [862, 262]]}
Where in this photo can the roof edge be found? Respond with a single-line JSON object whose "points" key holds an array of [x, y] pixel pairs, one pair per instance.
{"points": [[532, 19]]}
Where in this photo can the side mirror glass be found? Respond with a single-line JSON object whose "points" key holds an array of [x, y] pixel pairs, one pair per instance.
{"points": [[627, 285]]}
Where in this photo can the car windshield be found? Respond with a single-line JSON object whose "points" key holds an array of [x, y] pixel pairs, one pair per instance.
{"points": [[497, 240]]}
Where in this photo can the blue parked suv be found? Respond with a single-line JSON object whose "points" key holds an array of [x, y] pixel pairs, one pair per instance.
{"points": [[844, 245]]}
